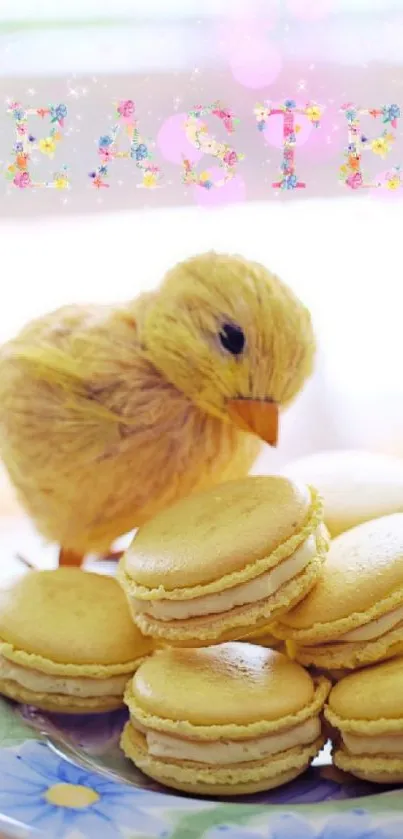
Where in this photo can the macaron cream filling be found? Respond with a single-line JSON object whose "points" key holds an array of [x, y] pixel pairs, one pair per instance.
{"points": [[85, 686], [167, 746], [359, 744], [250, 592], [376, 628]]}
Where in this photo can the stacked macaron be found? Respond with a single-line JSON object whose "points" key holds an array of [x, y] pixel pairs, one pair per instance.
{"points": [[67, 641], [223, 720], [365, 711], [354, 615], [224, 564]]}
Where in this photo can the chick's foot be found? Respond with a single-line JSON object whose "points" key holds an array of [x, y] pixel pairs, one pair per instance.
{"points": [[67, 557]]}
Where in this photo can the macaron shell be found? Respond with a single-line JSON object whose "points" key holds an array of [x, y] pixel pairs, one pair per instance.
{"points": [[227, 731], [362, 578], [359, 697], [210, 535], [234, 779], [235, 683], [84, 619], [238, 622], [376, 769], [58, 703], [356, 486]]}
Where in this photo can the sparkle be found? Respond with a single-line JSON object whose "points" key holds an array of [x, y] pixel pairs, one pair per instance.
{"points": [[176, 102], [301, 84], [73, 92], [31, 91]]}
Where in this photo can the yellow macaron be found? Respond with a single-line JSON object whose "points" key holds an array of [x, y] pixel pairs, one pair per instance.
{"points": [[356, 486], [224, 720], [222, 564], [67, 641], [365, 711], [354, 616]]}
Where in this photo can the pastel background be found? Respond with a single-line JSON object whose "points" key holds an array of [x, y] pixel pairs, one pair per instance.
{"points": [[339, 250]]}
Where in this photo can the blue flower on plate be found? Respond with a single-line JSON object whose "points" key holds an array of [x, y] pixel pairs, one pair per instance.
{"points": [[290, 103], [261, 125], [41, 789], [356, 824], [19, 115]]}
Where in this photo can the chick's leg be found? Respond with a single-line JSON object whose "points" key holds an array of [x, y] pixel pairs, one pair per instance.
{"points": [[113, 556], [67, 557]]}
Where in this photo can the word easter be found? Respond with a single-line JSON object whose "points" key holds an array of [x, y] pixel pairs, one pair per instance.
{"points": [[197, 133]]}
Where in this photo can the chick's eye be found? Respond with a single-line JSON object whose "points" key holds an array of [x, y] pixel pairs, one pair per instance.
{"points": [[232, 338]]}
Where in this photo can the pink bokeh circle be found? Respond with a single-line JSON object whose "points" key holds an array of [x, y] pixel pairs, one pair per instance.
{"points": [[255, 63], [232, 34], [310, 9], [273, 132], [234, 191], [173, 143]]}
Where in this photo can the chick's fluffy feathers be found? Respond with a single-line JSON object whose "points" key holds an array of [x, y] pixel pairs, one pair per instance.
{"points": [[108, 414], [94, 437]]}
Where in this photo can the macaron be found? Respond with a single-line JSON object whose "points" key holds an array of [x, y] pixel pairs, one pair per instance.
{"points": [[222, 564], [223, 720], [365, 711], [67, 641], [356, 486], [354, 615]]}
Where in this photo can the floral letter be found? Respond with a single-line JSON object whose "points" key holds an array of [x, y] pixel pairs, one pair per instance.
{"points": [[197, 133], [262, 113], [139, 150], [350, 172], [18, 172]]}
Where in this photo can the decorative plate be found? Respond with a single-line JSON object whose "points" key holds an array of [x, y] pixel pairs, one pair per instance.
{"points": [[65, 777]]}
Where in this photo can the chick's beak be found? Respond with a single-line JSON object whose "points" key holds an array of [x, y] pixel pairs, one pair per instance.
{"points": [[258, 416]]}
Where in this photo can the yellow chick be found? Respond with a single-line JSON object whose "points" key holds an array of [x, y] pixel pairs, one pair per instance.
{"points": [[109, 413]]}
